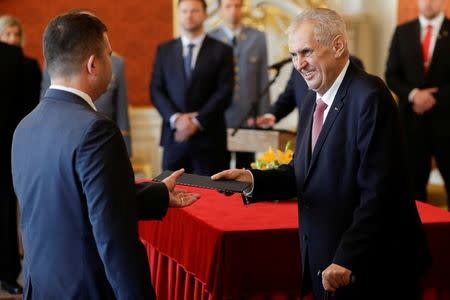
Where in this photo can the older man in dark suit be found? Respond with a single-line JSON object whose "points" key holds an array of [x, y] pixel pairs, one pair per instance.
{"points": [[11, 80], [74, 180], [357, 216], [418, 71], [192, 86]]}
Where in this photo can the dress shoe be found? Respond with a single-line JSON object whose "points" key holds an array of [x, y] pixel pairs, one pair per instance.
{"points": [[12, 287]]}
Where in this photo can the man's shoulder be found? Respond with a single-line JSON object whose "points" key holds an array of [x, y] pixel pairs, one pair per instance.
{"points": [[408, 26], [168, 44]]}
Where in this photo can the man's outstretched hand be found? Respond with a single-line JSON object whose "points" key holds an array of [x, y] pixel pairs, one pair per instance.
{"points": [[178, 197]]}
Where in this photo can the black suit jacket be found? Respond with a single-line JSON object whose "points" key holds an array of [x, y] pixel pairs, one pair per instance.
{"points": [[355, 205], [209, 91], [291, 97], [404, 72], [79, 205]]}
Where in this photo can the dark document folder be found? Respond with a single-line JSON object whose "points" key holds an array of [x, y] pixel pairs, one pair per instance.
{"points": [[227, 186]]}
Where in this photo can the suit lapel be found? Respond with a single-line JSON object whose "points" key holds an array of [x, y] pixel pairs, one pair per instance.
{"points": [[416, 47], [178, 63], [441, 41], [304, 148], [202, 59], [334, 111]]}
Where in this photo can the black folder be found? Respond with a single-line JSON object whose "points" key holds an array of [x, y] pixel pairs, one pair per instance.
{"points": [[227, 186]]}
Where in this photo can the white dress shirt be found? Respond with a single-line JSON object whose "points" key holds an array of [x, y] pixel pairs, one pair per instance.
{"points": [[329, 95], [79, 93]]}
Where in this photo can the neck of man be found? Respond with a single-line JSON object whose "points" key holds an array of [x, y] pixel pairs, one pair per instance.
{"points": [[74, 82], [193, 34], [233, 26]]}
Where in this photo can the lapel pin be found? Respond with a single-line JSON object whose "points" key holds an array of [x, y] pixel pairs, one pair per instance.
{"points": [[336, 108]]}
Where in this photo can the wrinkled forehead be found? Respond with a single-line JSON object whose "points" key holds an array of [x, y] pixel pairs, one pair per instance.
{"points": [[301, 36]]}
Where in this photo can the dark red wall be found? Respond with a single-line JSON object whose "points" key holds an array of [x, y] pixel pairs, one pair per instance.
{"points": [[135, 28]]}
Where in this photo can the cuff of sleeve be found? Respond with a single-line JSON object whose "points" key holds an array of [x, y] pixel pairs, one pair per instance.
{"points": [[173, 119], [269, 115], [412, 94], [248, 192]]}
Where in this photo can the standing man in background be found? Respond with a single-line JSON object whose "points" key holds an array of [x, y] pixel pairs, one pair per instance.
{"points": [[250, 66], [192, 86], [11, 86], [418, 71], [114, 102]]}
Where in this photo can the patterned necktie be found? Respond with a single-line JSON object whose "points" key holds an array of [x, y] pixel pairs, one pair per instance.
{"points": [[188, 61], [317, 122], [426, 48]]}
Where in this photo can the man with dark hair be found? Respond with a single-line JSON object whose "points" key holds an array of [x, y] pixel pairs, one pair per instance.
{"points": [[76, 190], [191, 86], [250, 62], [11, 80], [418, 72]]}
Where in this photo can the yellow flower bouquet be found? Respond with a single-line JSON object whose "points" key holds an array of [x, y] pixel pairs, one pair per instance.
{"points": [[273, 159]]}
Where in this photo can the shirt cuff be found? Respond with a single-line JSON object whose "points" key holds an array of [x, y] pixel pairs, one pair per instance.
{"points": [[412, 94], [173, 119], [248, 192]]}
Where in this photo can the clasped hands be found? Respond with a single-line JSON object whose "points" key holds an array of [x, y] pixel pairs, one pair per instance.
{"points": [[424, 100], [185, 127], [177, 197]]}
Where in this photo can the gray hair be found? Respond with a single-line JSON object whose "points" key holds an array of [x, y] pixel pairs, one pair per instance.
{"points": [[7, 21], [327, 24]]}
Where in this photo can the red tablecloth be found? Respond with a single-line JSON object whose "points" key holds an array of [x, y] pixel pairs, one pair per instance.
{"points": [[218, 248]]}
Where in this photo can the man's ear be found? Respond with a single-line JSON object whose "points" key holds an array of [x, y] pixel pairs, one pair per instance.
{"points": [[92, 65], [339, 45]]}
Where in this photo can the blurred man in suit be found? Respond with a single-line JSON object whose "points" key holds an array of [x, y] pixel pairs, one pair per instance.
{"points": [[11, 32], [418, 71], [11, 86], [76, 190], [250, 65], [357, 216], [114, 102], [192, 86]]}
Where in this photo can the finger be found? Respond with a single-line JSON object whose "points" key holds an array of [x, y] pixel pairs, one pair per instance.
{"points": [[190, 199], [175, 175], [433, 89], [222, 175]]}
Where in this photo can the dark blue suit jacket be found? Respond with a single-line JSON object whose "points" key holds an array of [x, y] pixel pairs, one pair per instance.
{"points": [[78, 203], [209, 91], [291, 97], [355, 205]]}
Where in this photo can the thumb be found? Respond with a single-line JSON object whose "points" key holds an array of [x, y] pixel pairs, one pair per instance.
{"points": [[175, 175]]}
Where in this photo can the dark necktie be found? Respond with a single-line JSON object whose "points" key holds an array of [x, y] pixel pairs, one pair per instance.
{"points": [[317, 122], [426, 48], [234, 41], [188, 61]]}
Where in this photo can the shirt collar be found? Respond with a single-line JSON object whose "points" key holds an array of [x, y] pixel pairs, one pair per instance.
{"points": [[436, 22], [79, 93], [232, 33], [197, 41], [329, 95]]}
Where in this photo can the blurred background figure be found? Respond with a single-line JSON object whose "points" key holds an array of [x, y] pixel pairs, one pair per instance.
{"points": [[11, 87], [417, 72], [11, 32], [191, 87], [114, 102], [250, 68]]}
